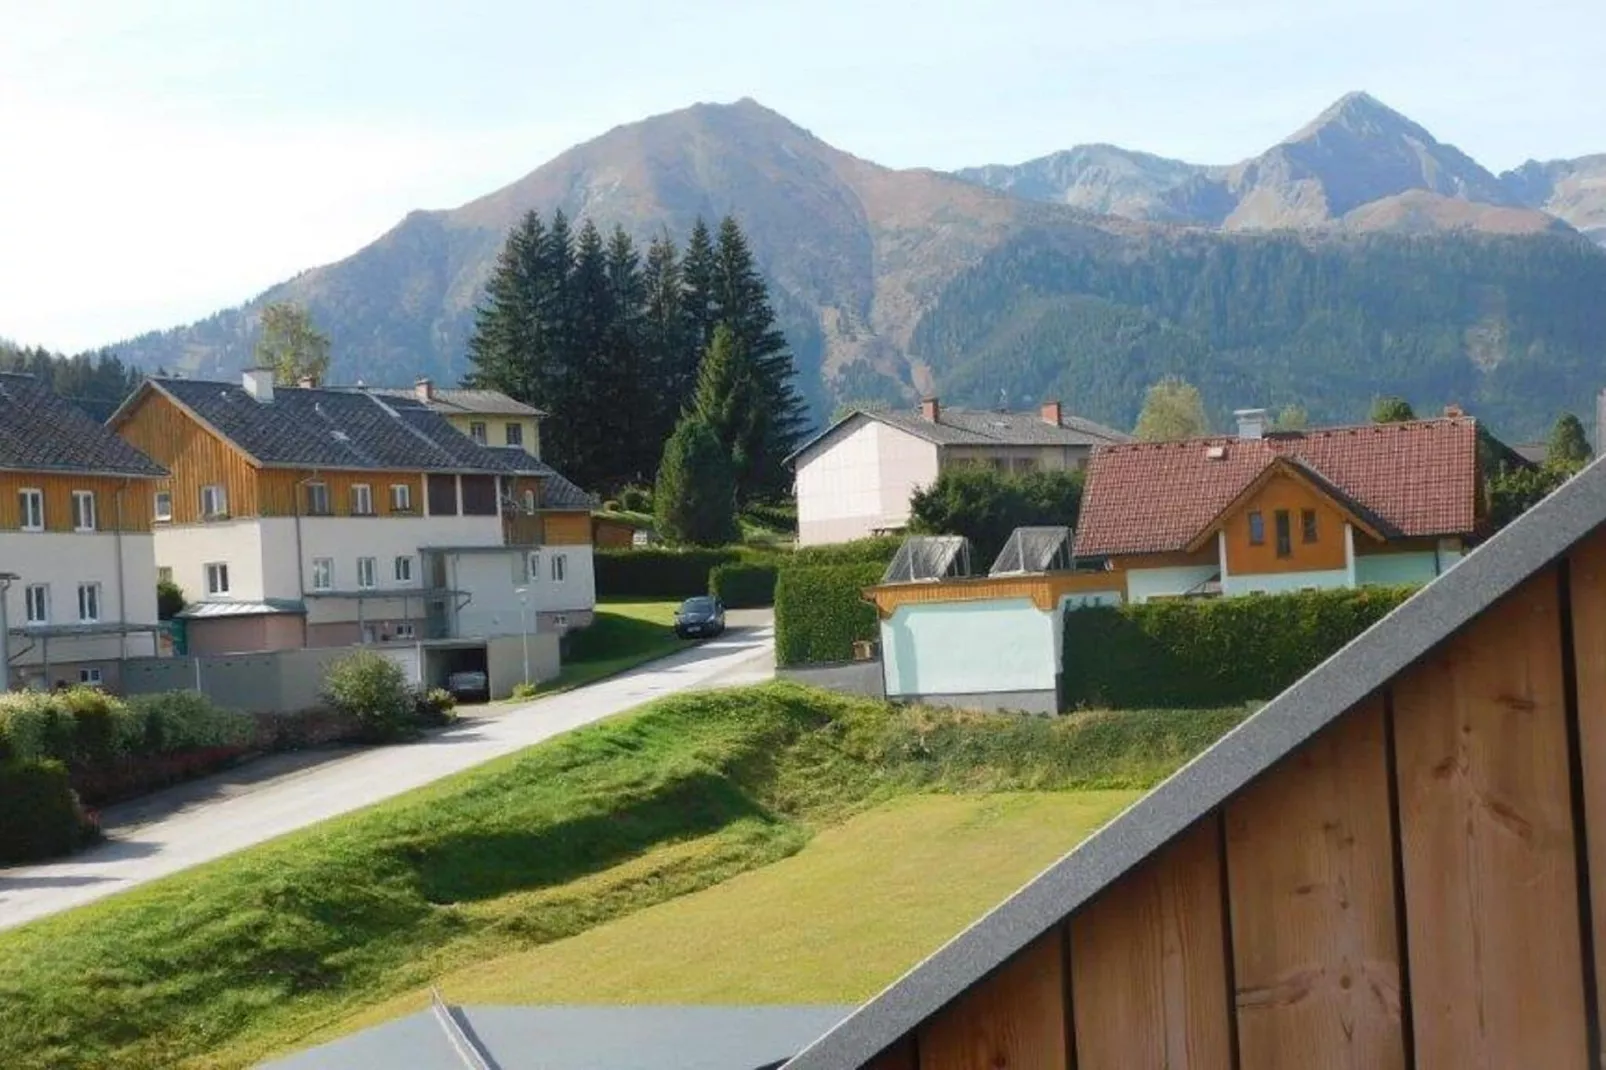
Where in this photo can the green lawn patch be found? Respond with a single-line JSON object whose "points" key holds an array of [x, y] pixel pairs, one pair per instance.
{"points": [[233, 960], [622, 636]]}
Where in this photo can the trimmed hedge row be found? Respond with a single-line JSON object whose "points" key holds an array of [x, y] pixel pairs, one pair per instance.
{"points": [[879, 549], [659, 573], [1194, 653], [742, 586], [820, 612], [42, 815]]}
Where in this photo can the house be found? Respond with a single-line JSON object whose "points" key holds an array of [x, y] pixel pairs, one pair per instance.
{"points": [[77, 560], [855, 478], [1267, 511], [299, 516], [489, 417], [1398, 862]]}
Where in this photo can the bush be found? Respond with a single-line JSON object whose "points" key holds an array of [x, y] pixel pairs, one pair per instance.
{"points": [[820, 612], [985, 506], [634, 499], [879, 549], [434, 707], [42, 815], [169, 600], [657, 572], [742, 586], [524, 691], [1189, 653], [373, 690], [184, 720]]}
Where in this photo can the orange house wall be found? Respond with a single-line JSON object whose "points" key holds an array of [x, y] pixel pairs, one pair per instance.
{"points": [[1326, 554]]}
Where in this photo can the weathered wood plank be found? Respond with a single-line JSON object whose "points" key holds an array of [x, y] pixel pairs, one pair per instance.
{"points": [[1587, 565], [1148, 964], [1013, 1020], [1310, 864], [1487, 836]]}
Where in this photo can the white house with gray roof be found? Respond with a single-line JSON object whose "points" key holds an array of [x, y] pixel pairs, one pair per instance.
{"points": [[855, 478]]}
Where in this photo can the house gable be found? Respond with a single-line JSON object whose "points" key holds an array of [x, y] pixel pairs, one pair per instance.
{"points": [[1401, 860], [194, 453]]}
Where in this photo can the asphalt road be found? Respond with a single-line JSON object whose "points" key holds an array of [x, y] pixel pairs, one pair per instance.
{"points": [[197, 822]]}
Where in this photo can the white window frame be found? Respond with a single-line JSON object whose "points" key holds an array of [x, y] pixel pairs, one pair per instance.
{"points": [[362, 499], [401, 497], [164, 573], [217, 577], [529, 501], [162, 505], [214, 501], [89, 608], [41, 603], [560, 568], [327, 564], [402, 569], [91, 676], [370, 567], [31, 509], [532, 567], [513, 432], [405, 630], [321, 489], [83, 510], [479, 432]]}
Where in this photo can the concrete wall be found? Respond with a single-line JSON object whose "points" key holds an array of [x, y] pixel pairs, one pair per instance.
{"points": [[277, 682], [848, 677], [1143, 584], [504, 661], [1388, 569], [1283, 582], [969, 648], [860, 480], [60, 561]]}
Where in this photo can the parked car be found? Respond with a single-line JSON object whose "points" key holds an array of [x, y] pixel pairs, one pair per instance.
{"points": [[469, 686], [700, 617]]}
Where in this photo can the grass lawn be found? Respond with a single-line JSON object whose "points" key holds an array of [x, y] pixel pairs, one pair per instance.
{"points": [[622, 636], [234, 960]]}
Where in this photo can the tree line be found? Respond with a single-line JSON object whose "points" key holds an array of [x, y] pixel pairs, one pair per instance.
{"points": [[96, 382], [612, 345]]}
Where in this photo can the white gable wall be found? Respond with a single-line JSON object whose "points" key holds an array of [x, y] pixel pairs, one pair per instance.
{"points": [[860, 480]]}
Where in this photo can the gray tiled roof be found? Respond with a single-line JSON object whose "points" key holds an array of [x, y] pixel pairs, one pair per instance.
{"points": [[1324, 695], [42, 432], [325, 428], [980, 427], [455, 402], [556, 491]]}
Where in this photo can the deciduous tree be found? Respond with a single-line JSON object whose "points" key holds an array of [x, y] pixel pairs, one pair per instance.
{"points": [[1172, 410], [291, 345]]}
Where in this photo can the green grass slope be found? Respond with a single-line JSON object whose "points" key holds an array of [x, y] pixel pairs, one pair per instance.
{"points": [[225, 963]]}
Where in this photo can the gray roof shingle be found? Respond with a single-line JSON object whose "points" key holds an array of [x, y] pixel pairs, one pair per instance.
{"points": [[456, 402], [556, 491], [43, 432], [981, 427]]}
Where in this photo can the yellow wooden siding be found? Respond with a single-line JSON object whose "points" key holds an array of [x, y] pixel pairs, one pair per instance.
{"points": [[58, 506], [1281, 494], [1045, 591], [279, 489], [194, 455], [567, 529]]}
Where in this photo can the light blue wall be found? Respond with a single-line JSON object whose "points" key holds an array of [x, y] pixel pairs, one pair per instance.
{"points": [[1282, 582], [1398, 568], [957, 648], [1144, 583]]}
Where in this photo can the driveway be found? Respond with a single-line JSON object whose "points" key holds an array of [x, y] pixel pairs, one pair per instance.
{"points": [[197, 822]]}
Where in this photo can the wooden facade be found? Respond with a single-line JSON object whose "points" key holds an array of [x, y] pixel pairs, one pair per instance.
{"points": [[1282, 500], [566, 529], [193, 455], [121, 504], [1045, 589]]}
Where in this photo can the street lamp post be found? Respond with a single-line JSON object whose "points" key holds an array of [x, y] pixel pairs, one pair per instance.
{"points": [[524, 627], [6, 579]]}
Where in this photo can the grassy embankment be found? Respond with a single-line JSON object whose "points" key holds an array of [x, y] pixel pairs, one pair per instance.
{"points": [[622, 636], [248, 955]]}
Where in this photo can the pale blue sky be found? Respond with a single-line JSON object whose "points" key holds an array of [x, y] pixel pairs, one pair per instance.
{"points": [[162, 160]]}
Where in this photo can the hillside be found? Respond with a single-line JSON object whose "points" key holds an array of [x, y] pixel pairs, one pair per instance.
{"points": [[868, 264]]}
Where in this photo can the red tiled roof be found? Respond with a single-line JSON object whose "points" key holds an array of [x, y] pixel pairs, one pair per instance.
{"points": [[1421, 478]]}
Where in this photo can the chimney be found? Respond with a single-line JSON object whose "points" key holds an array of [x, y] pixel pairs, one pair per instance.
{"points": [[425, 390], [1052, 414], [1251, 423], [930, 409], [1453, 411], [258, 382]]}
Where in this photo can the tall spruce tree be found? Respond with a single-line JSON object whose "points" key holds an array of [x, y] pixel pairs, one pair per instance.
{"points": [[694, 496], [728, 401], [741, 301], [633, 451], [589, 403], [698, 270], [668, 356], [506, 350]]}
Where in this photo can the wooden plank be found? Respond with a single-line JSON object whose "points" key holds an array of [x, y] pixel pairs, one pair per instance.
{"points": [[1491, 894], [193, 455], [1148, 964], [1587, 565], [1310, 867], [900, 1056], [1012, 1020]]}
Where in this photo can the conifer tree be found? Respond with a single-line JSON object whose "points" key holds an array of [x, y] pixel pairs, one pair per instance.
{"points": [[589, 406], [694, 497], [728, 401], [668, 356], [698, 269], [506, 349], [632, 450]]}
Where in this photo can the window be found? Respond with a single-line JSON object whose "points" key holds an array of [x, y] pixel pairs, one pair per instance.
{"points": [[362, 500], [317, 499], [1285, 537], [89, 602], [83, 510], [367, 573], [38, 599], [31, 505], [1257, 529], [164, 574], [323, 573], [560, 567], [529, 502], [401, 498], [214, 501], [404, 569], [164, 505], [476, 431], [515, 434], [217, 578], [404, 630], [532, 567], [1307, 524], [89, 676]]}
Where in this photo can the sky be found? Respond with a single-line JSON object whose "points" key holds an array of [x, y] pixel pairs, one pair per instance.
{"points": [[164, 159]]}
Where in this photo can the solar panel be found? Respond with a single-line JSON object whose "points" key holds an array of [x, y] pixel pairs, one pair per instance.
{"points": [[1044, 549], [929, 557]]}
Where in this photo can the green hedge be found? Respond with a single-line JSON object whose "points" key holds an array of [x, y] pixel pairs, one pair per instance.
{"points": [[878, 549], [742, 586], [84, 727], [42, 815], [820, 612], [659, 573], [1192, 652]]}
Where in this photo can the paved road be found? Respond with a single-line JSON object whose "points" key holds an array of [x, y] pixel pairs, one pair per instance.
{"points": [[197, 822]]}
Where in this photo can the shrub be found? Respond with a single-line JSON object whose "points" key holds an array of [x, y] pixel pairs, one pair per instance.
{"points": [[1189, 653], [182, 720], [169, 599], [524, 691], [985, 506], [820, 612], [372, 689], [743, 586], [434, 707], [635, 499], [657, 572], [42, 815], [879, 549], [694, 498]]}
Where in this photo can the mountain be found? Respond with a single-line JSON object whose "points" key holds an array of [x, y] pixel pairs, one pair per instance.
{"points": [[1087, 276], [1571, 190]]}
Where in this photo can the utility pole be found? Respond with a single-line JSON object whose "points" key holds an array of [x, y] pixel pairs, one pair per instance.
{"points": [[524, 628]]}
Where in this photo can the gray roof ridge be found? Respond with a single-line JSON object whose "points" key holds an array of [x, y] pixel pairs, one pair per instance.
{"points": [[1323, 695]]}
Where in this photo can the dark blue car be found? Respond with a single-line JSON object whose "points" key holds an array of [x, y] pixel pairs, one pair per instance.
{"points": [[699, 618]]}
